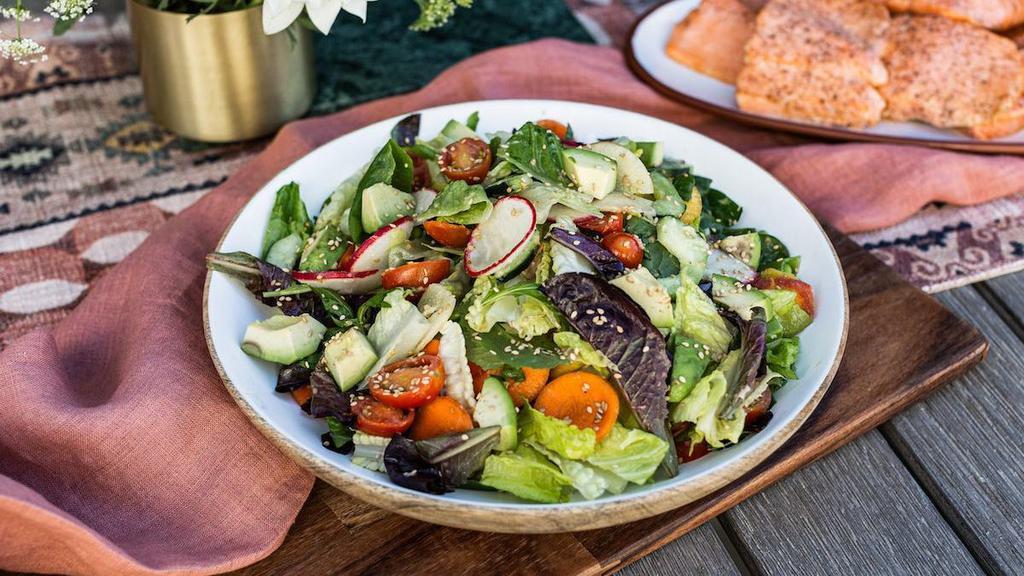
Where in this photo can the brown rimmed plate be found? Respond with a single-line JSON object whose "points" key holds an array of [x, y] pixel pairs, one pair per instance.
{"points": [[645, 53]]}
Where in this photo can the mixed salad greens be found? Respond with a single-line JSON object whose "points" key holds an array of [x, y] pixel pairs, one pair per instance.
{"points": [[522, 312]]}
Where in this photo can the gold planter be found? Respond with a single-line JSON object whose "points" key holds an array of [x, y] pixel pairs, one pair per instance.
{"points": [[219, 78]]}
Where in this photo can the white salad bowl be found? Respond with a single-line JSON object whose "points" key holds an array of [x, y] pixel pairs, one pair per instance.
{"points": [[768, 205]]}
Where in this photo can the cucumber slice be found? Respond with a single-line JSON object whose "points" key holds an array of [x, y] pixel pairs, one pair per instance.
{"points": [[506, 239], [494, 407]]}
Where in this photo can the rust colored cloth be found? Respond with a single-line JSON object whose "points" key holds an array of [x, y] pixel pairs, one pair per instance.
{"points": [[122, 453]]}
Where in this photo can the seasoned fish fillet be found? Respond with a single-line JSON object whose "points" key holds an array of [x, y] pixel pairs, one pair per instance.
{"points": [[710, 39], [817, 61], [1003, 124], [994, 14], [951, 74]]}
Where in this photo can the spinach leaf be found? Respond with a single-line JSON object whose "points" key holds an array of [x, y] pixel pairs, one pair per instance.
{"points": [[338, 437], [538, 152], [423, 151], [772, 251], [329, 245], [659, 260], [641, 228], [718, 210], [459, 203], [288, 216], [391, 165], [500, 347], [336, 307], [473, 120], [368, 309], [789, 265]]}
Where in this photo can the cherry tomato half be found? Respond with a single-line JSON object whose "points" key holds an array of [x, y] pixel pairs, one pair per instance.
{"points": [[556, 127], [420, 173], [408, 383], [379, 419], [625, 247], [447, 234], [416, 274], [759, 408], [688, 454], [468, 159], [607, 224], [773, 279], [479, 375]]}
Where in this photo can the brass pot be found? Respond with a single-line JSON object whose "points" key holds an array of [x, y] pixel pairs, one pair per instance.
{"points": [[218, 77]]}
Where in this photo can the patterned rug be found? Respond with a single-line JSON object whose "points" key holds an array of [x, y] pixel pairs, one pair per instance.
{"points": [[85, 175]]}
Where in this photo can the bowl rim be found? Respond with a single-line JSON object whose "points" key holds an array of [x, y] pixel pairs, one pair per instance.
{"points": [[527, 518]]}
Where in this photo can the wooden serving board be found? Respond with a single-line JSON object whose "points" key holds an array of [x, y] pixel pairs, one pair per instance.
{"points": [[902, 344]]}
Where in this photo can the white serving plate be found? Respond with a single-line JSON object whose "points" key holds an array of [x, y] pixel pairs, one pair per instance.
{"points": [[646, 54], [228, 308]]}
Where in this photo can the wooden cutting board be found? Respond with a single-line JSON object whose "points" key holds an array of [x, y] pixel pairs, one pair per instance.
{"points": [[902, 344]]}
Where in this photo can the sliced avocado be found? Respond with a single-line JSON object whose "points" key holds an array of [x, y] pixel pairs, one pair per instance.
{"points": [[645, 290], [792, 317], [740, 298], [689, 361], [593, 173], [632, 176], [383, 204], [494, 407], [652, 154], [746, 247], [686, 244], [283, 339], [349, 357]]}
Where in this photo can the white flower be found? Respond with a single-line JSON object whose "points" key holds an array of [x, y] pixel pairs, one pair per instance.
{"points": [[69, 9], [279, 14], [22, 50], [17, 14]]}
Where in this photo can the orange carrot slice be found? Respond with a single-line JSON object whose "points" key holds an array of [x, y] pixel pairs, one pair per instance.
{"points": [[586, 399], [442, 415], [527, 389]]}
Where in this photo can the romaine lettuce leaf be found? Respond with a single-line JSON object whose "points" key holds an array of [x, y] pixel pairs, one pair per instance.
{"points": [[533, 318], [781, 356], [579, 350], [564, 260], [698, 319], [458, 380], [556, 435], [458, 203], [589, 481], [520, 305], [700, 407], [526, 474], [632, 455]]}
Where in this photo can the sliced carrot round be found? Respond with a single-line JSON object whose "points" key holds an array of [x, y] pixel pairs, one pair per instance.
{"points": [[526, 390], [586, 399], [442, 415]]}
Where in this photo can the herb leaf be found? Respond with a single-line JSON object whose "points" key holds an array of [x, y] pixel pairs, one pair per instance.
{"points": [[659, 260], [538, 152], [495, 349]]}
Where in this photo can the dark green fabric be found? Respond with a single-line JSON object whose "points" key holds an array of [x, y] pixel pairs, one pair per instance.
{"points": [[357, 63]]}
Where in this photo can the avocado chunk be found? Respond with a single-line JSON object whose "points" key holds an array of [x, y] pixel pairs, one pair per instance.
{"points": [[746, 247], [740, 298], [383, 204], [283, 339], [349, 357], [644, 289], [593, 173], [494, 407], [632, 176], [652, 154]]}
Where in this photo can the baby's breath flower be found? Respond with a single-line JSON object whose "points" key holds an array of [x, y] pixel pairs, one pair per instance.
{"points": [[69, 9], [17, 13], [22, 50]]}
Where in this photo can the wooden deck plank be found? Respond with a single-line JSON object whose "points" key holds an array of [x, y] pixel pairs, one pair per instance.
{"points": [[856, 511], [698, 552], [964, 443]]}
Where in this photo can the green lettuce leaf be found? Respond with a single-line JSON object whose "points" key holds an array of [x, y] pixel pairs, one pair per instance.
{"points": [[700, 407], [488, 350], [521, 306], [576, 349], [588, 480], [538, 152], [781, 355], [632, 455], [458, 203], [556, 435], [697, 318], [288, 216], [526, 474]]}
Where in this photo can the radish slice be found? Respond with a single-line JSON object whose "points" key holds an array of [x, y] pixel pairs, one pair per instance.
{"points": [[372, 254], [341, 281], [504, 240]]}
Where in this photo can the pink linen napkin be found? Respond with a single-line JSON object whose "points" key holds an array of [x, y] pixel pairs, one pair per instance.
{"points": [[122, 453]]}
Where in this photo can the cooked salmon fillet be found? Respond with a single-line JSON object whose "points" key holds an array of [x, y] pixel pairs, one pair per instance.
{"points": [[817, 61], [1003, 124], [994, 14], [951, 74], [710, 39]]}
